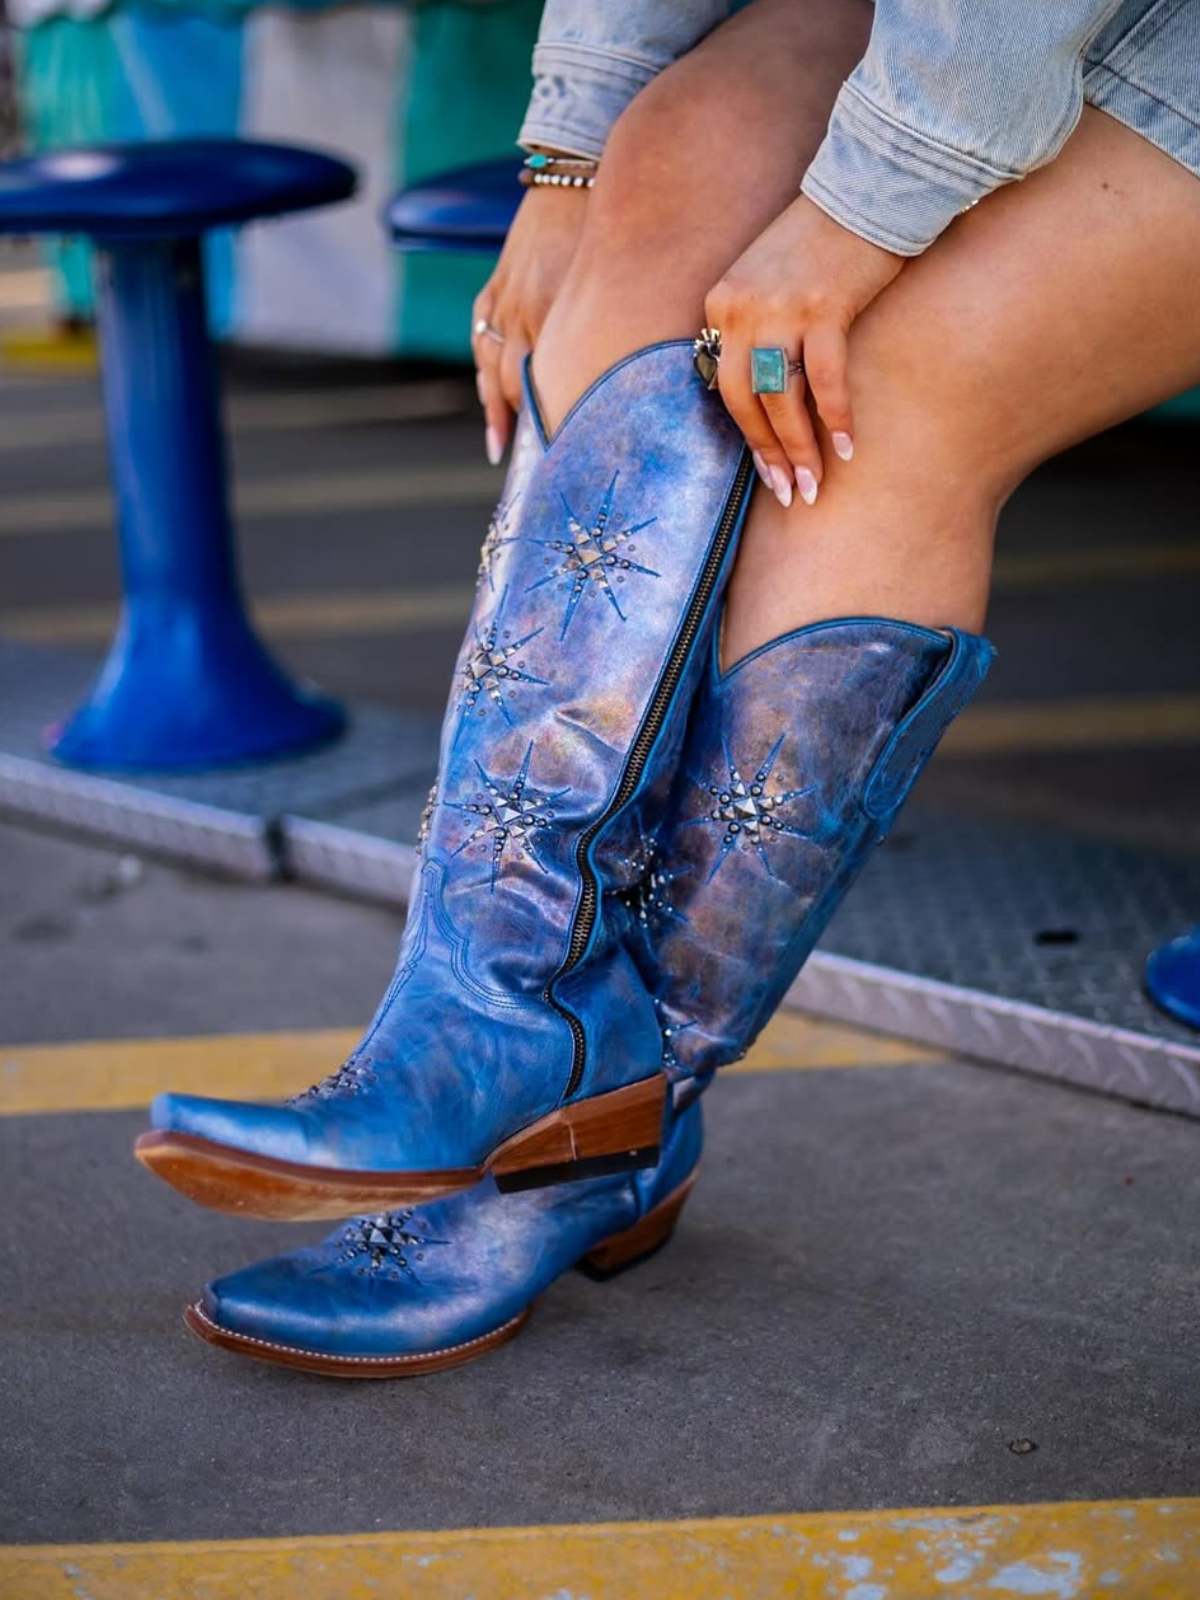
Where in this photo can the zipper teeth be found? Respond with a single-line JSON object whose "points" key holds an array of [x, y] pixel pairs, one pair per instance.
{"points": [[585, 917]]}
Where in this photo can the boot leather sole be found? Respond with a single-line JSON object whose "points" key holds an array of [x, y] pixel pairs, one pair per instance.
{"points": [[606, 1260], [612, 1132]]}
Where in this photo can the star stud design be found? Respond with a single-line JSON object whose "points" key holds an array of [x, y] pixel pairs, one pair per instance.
{"points": [[489, 669], [387, 1245], [510, 813], [670, 1032], [426, 822], [354, 1075], [592, 557], [749, 812], [648, 898], [495, 539]]}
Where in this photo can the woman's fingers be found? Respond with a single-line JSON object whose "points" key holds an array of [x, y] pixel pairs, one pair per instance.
{"points": [[513, 351], [487, 349], [793, 427], [825, 367], [497, 417], [770, 459]]}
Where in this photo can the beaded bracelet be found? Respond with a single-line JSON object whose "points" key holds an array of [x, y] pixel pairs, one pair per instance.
{"points": [[565, 172], [563, 180]]}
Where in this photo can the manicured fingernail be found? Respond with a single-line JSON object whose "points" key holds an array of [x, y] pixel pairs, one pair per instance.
{"points": [[493, 444], [782, 486], [843, 444], [760, 466], [807, 485]]}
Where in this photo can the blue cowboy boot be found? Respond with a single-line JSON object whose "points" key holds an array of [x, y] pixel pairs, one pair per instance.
{"points": [[517, 1038], [414, 1291], [832, 725], [797, 760]]}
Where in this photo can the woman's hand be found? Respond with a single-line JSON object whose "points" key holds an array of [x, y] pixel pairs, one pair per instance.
{"points": [[514, 301], [798, 287]]}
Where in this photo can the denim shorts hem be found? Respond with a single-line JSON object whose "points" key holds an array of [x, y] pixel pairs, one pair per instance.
{"points": [[1164, 125], [1144, 70]]}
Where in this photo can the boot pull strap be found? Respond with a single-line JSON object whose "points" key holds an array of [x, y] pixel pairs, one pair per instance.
{"points": [[917, 734]]}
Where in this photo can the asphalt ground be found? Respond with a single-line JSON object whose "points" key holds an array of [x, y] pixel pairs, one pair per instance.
{"points": [[895, 1268]]}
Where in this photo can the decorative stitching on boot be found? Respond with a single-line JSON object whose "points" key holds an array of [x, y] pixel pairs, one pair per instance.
{"points": [[374, 1361]]}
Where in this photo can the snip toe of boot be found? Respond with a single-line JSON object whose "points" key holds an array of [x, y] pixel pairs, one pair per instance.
{"points": [[267, 1303], [276, 1131], [276, 1312]]}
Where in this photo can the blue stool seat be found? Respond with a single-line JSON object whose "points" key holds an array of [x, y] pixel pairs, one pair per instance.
{"points": [[187, 682], [1173, 977], [159, 190], [470, 209]]}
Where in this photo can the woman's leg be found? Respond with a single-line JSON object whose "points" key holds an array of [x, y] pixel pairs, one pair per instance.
{"points": [[1054, 309]]}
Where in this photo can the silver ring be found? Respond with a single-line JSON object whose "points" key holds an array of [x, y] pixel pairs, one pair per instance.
{"points": [[706, 356], [485, 329]]}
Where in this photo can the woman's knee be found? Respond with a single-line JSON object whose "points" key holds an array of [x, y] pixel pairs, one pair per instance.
{"points": [[712, 150], [662, 219]]}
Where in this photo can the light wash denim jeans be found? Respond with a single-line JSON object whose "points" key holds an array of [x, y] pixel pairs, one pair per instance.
{"points": [[952, 99]]}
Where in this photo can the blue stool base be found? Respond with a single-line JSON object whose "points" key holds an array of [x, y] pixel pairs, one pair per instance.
{"points": [[187, 683], [184, 691], [92, 741], [1173, 978]]}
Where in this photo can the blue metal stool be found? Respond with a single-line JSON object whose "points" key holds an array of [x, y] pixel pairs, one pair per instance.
{"points": [[468, 210], [1173, 977], [187, 682]]}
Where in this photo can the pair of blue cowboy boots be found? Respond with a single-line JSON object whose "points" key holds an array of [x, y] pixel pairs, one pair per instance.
{"points": [[627, 858]]}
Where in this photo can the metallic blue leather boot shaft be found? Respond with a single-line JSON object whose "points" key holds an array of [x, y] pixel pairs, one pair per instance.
{"points": [[413, 1290], [795, 765], [512, 996]]}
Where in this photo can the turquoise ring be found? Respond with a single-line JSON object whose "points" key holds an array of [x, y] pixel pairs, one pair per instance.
{"points": [[770, 370]]}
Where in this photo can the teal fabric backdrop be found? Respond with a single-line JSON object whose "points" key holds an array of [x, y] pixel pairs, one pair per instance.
{"points": [[467, 96]]}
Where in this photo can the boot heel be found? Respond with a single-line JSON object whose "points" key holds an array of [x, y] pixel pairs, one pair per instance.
{"points": [[643, 1239], [614, 1132]]}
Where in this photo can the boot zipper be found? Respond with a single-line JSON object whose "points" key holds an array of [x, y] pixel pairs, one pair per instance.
{"points": [[589, 900]]}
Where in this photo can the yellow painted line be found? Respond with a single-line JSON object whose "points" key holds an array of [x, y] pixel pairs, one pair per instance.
{"points": [[114, 1075], [267, 499], [41, 352], [1041, 569], [1131, 1550], [120, 1074], [258, 413], [791, 1043], [1108, 723]]}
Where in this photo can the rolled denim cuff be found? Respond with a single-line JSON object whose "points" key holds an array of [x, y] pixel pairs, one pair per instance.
{"points": [[890, 184], [579, 91]]}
